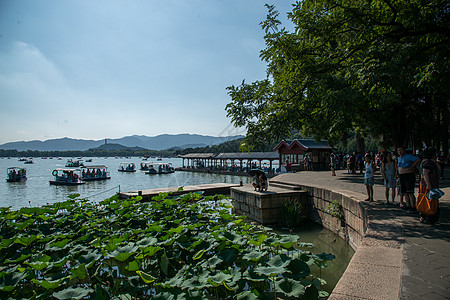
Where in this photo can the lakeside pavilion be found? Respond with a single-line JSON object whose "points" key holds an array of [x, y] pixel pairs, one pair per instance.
{"points": [[234, 162], [296, 150]]}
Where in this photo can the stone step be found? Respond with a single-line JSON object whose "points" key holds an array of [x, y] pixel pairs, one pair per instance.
{"points": [[284, 185]]}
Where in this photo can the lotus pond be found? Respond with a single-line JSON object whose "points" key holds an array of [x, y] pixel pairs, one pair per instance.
{"points": [[185, 248]]}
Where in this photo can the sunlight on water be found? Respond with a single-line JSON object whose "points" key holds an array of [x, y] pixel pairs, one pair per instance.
{"points": [[37, 191]]}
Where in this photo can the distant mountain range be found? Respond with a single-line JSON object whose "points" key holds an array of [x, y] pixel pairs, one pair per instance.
{"points": [[160, 142]]}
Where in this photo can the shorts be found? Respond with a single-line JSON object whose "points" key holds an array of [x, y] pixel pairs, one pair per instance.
{"points": [[368, 181], [407, 183]]}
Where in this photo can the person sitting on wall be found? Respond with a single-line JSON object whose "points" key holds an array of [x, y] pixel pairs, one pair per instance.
{"points": [[255, 183]]}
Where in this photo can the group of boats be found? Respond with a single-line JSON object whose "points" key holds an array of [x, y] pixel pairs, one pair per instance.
{"points": [[72, 175]]}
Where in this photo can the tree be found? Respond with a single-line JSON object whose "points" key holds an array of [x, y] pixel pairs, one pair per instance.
{"points": [[369, 67]]}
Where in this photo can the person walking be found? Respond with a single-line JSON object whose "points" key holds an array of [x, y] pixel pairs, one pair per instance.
{"points": [[430, 170], [368, 176], [333, 164], [389, 173], [406, 164]]}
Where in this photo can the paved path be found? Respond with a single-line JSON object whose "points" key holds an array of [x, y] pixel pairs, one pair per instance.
{"points": [[426, 248]]}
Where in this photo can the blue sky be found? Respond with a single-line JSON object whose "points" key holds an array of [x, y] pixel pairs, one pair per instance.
{"points": [[109, 68]]}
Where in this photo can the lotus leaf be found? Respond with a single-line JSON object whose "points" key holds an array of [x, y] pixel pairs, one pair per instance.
{"points": [[228, 255], [148, 241], [219, 278], [247, 295], [299, 269], [79, 271], [123, 253], [133, 266], [72, 293], [290, 287], [147, 278], [26, 240], [48, 284], [254, 255], [164, 263], [251, 275], [10, 280]]}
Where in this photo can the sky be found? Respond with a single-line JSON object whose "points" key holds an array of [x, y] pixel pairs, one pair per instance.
{"points": [[111, 68]]}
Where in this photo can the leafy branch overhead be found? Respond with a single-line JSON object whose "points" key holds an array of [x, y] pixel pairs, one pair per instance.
{"points": [[369, 67]]}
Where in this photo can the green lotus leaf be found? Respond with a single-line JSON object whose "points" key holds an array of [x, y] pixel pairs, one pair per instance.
{"points": [[254, 255], [179, 229], [26, 240], [261, 239], [18, 259], [60, 244], [79, 271], [228, 255], [247, 295], [325, 257], [150, 251], [288, 241], [38, 266], [133, 266], [212, 262], [290, 287], [123, 253], [148, 241], [299, 269], [5, 243], [199, 254], [10, 280], [89, 258], [281, 260], [164, 263], [156, 228], [147, 278], [219, 278], [164, 295], [72, 293], [305, 245], [48, 284], [169, 202]]}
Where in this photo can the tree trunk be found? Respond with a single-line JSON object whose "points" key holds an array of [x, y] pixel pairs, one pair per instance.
{"points": [[360, 143]]}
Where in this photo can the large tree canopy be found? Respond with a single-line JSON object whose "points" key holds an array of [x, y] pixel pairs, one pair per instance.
{"points": [[374, 67]]}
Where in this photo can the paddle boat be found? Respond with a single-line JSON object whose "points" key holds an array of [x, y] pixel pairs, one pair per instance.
{"points": [[127, 167], [145, 166], [74, 163], [29, 161], [94, 173], [66, 177], [16, 174], [160, 168]]}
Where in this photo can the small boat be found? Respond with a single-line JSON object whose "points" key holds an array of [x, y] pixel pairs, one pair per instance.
{"points": [[127, 167], [160, 168], [23, 159], [145, 166], [74, 163], [29, 162], [159, 158], [88, 160], [16, 174], [66, 177], [94, 173]]}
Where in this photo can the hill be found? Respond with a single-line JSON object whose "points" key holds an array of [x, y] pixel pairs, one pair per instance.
{"points": [[160, 142]]}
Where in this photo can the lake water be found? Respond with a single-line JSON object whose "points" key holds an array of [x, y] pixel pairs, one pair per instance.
{"points": [[37, 191]]}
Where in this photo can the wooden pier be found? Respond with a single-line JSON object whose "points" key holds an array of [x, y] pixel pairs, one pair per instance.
{"points": [[207, 189]]}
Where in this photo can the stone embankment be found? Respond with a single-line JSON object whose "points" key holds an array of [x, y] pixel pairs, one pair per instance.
{"points": [[396, 257]]}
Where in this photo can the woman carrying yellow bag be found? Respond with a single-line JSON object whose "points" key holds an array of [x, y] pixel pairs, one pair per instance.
{"points": [[428, 208]]}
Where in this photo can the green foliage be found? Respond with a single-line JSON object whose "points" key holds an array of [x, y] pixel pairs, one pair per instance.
{"points": [[335, 209], [188, 247], [372, 67], [291, 213]]}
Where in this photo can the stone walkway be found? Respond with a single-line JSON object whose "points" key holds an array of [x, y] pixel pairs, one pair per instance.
{"points": [[426, 248]]}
